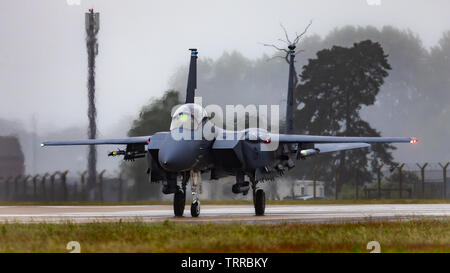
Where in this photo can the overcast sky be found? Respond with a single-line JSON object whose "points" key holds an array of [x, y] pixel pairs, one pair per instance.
{"points": [[43, 61]]}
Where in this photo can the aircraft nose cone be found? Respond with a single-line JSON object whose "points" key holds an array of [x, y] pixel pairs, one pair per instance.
{"points": [[178, 156]]}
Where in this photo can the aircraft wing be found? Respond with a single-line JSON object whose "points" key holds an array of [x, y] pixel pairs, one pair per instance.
{"points": [[129, 140], [328, 144], [283, 138]]}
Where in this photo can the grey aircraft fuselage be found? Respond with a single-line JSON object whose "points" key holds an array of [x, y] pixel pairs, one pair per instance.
{"points": [[184, 155]]}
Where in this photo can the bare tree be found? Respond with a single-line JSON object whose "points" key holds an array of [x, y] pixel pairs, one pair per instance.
{"points": [[291, 45]]}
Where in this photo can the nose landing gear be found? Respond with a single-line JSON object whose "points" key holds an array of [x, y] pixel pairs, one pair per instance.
{"points": [[196, 188], [179, 198], [195, 208]]}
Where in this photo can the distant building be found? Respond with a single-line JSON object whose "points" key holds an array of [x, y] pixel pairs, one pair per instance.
{"points": [[304, 190], [11, 157]]}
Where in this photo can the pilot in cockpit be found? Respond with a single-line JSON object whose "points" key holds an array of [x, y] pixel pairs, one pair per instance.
{"points": [[188, 116]]}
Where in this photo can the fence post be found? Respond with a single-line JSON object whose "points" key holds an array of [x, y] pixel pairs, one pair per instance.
{"points": [[52, 186], [400, 180], [379, 179], [120, 187], [422, 172], [7, 188], [83, 186], [74, 191], [336, 178], [314, 181], [44, 192], [356, 183], [100, 180], [64, 184], [16, 186], [34, 187], [24, 190], [444, 181]]}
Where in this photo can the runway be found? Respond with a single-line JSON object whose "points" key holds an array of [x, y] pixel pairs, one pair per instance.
{"points": [[222, 213]]}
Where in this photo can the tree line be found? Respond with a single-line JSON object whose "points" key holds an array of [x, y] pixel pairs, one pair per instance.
{"points": [[354, 81]]}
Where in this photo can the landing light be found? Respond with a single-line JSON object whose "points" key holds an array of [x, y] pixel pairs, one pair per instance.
{"points": [[413, 140]]}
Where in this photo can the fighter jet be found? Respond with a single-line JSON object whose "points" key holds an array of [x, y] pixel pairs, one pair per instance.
{"points": [[253, 153]]}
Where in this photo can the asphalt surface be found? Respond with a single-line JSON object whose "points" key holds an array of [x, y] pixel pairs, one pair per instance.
{"points": [[223, 213]]}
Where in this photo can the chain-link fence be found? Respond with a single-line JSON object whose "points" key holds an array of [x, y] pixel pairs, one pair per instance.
{"points": [[61, 186], [406, 180]]}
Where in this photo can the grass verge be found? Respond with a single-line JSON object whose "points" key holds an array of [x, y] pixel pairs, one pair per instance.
{"points": [[419, 235]]}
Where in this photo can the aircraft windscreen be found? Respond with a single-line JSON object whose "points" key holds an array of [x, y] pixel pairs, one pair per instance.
{"points": [[188, 116]]}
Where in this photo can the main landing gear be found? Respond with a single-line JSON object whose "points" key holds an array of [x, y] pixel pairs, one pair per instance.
{"points": [[179, 198], [179, 201], [241, 186], [259, 202], [259, 199]]}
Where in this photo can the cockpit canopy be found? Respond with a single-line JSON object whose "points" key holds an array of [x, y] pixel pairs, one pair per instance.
{"points": [[188, 116]]}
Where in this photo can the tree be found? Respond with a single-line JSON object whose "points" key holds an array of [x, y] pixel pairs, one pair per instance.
{"points": [[396, 111], [154, 117], [334, 86]]}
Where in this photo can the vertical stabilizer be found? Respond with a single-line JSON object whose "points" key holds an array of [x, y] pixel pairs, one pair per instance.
{"points": [[290, 96], [192, 77]]}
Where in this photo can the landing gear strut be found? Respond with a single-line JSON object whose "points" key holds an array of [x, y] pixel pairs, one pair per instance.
{"points": [[196, 188], [259, 200]]}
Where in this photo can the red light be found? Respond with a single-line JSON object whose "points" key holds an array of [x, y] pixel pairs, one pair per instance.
{"points": [[268, 140], [148, 141]]}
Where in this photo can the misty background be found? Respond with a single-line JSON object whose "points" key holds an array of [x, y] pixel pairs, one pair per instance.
{"points": [[143, 52]]}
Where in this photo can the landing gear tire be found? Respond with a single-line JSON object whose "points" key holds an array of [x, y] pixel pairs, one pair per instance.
{"points": [[195, 209], [179, 201], [259, 201]]}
